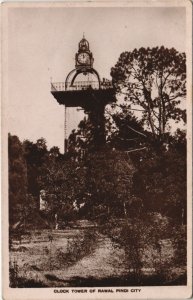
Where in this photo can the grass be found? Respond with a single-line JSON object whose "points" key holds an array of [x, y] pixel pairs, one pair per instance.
{"points": [[40, 254], [82, 257]]}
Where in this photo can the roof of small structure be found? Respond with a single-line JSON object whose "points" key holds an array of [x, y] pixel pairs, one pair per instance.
{"points": [[84, 44]]}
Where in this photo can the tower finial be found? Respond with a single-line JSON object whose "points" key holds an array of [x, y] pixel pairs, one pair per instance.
{"points": [[83, 36]]}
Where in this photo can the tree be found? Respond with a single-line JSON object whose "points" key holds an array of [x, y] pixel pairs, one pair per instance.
{"points": [[81, 141], [54, 152], [35, 155], [154, 80], [64, 183], [125, 131], [160, 181], [17, 179], [109, 184]]}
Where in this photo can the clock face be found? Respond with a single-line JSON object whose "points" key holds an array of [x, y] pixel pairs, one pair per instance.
{"points": [[83, 58]]}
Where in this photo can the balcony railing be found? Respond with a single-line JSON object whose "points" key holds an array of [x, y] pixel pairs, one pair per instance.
{"points": [[80, 85]]}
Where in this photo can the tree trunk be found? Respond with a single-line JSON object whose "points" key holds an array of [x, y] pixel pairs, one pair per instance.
{"points": [[161, 112], [147, 95]]}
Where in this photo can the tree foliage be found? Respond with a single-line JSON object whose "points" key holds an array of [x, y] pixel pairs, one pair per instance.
{"points": [[80, 141], [109, 184], [125, 131], [64, 183], [17, 179], [160, 180], [35, 155], [154, 80]]}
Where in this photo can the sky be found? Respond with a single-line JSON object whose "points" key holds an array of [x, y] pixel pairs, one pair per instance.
{"points": [[42, 43]]}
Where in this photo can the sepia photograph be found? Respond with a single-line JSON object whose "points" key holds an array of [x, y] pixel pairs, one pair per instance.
{"points": [[96, 121]]}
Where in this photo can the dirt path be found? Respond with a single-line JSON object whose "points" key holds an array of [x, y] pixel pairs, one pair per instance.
{"points": [[105, 261]]}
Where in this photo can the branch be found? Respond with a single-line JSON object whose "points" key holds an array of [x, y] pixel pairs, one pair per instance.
{"points": [[165, 78], [179, 95], [129, 108], [155, 114], [136, 98], [131, 128], [119, 138], [136, 131], [136, 150], [154, 126], [134, 69]]}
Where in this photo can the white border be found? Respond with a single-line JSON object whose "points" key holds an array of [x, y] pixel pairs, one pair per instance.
{"points": [[174, 292]]}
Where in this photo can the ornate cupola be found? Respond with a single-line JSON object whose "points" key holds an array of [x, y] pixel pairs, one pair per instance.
{"points": [[83, 45], [83, 66], [84, 57]]}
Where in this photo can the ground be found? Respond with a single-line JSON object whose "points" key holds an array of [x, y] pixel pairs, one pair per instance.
{"points": [[72, 257]]}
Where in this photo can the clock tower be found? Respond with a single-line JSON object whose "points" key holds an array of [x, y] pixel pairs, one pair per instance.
{"points": [[83, 88]]}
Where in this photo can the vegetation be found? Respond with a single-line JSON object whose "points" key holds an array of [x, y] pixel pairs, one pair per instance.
{"points": [[17, 180], [135, 185], [154, 80]]}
